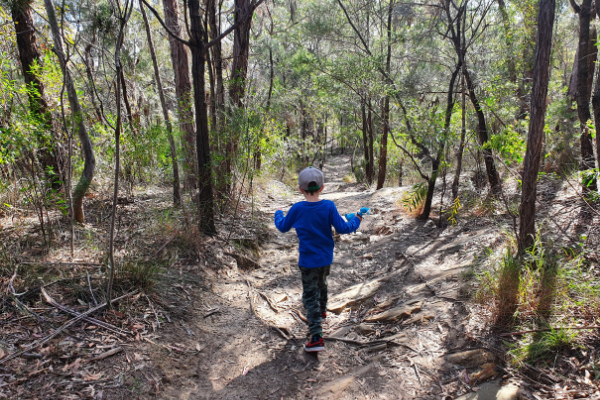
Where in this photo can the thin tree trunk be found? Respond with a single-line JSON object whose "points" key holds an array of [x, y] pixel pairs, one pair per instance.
{"points": [[461, 146], [29, 55], [163, 103], [383, 144], [183, 93], [205, 197], [386, 105], [583, 96], [482, 134], [77, 115], [536, 123], [214, 31], [371, 139], [126, 101], [123, 18], [365, 135], [435, 163]]}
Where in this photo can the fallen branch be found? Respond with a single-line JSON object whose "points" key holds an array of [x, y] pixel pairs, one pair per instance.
{"points": [[286, 337], [107, 354], [91, 320], [302, 317], [40, 342], [273, 307]]}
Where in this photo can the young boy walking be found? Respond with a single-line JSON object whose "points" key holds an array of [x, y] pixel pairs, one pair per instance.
{"points": [[312, 220]]}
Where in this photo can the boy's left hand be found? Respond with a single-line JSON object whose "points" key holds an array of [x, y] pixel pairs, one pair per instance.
{"points": [[363, 211]]}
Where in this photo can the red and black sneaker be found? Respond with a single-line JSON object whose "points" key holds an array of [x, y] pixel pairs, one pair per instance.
{"points": [[315, 343], [324, 315]]}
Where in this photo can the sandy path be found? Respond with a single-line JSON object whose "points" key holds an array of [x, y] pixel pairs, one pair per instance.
{"points": [[242, 357]]}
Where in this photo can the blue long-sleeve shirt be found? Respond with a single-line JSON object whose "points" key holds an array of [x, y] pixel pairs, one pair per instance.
{"points": [[313, 221]]}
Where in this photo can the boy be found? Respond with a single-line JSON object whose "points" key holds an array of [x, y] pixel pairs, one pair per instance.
{"points": [[312, 220]]}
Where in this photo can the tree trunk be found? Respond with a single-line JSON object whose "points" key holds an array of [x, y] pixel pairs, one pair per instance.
{"points": [[461, 146], [386, 106], [435, 163], [214, 31], [365, 135], [241, 51], [29, 56], [371, 139], [163, 103], [205, 197], [383, 146], [119, 75], [482, 134], [77, 115], [583, 96], [536, 123], [183, 93]]}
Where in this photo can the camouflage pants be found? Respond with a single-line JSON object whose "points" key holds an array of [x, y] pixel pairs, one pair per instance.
{"points": [[314, 296]]}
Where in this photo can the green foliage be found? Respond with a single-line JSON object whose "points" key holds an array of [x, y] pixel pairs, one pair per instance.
{"points": [[414, 198], [509, 143]]}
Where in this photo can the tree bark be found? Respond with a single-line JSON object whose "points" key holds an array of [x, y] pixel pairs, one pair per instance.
{"points": [[163, 103], [384, 142], [77, 115], [371, 139], [435, 163], [536, 123], [205, 197], [214, 31], [365, 135], [482, 135], [461, 146], [123, 18], [29, 55], [241, 51], [386, 105], [183, 92], [583, 96]]}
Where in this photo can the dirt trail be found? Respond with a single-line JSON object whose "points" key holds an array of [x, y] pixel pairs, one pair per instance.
{"points": [[394, 263]]}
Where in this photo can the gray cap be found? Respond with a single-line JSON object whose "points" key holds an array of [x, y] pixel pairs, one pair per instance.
{"points": [[310, 179]]}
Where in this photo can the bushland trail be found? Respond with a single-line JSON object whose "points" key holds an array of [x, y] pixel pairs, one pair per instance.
{"points": [[396, 311]]}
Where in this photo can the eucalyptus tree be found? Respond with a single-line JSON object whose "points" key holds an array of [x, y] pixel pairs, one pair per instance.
{"points": [[30, 59], [183, 91], [199, 45], [541, 72], [77, 115]]}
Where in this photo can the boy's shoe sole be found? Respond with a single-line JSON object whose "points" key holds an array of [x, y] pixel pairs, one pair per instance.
{"points": [[314, 345], [313, 349]]}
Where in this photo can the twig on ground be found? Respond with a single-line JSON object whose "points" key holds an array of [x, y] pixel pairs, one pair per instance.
{"points": [[154, 311], [211, 312], [91, 291], [107, 354], [91, 320], [40, 342], [302, 317], [273, 307]]}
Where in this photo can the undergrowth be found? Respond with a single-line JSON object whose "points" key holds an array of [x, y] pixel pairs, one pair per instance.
{"points": [[547, 290]]}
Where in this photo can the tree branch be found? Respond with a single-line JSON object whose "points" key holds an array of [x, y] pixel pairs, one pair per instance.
{"points": [[232, 27], [575, 6], [411, 157], [170, 32]]}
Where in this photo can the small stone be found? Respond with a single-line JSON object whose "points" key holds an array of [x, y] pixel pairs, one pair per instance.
{"points": [[368, 256]]}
